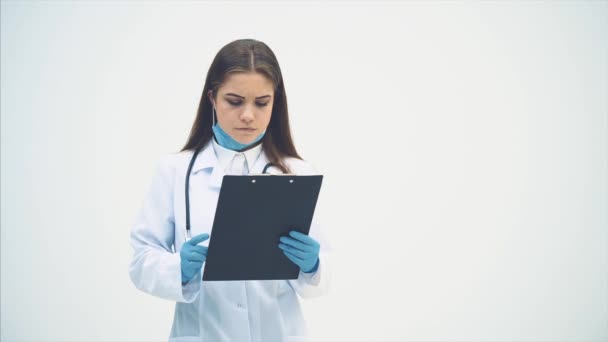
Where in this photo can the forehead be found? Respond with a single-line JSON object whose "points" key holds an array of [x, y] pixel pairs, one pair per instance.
{"points": [[250, 84]]}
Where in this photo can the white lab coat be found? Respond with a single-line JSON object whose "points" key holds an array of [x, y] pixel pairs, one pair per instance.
{"points": [[266, 310]]}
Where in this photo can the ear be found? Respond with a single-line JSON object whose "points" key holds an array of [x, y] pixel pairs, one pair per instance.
{"points": [[210, 95]]}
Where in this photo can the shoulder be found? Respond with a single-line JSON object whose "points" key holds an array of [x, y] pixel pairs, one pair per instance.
{"points": [[167, 165], [300, 167], [172, 160]]}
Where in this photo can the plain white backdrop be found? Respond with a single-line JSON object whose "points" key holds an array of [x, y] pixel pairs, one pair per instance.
{"points": [[464, 148]]}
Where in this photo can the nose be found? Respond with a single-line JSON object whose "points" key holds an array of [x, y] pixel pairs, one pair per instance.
{"points": [[247, 115]]}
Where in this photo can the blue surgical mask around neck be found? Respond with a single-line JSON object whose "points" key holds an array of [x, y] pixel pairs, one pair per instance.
{"points": [[225, 140]]}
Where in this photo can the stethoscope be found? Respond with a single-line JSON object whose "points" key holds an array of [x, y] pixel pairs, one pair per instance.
{"points": [[188, 234]]}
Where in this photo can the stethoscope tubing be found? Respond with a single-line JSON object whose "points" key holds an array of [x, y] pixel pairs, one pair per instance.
{"points": [[188, 233]]}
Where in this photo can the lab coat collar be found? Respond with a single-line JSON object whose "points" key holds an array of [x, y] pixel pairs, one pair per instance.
{"points": [[225, 155], [207, 159]]}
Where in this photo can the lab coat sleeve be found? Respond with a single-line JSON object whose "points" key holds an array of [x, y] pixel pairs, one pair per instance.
{"points": [[155, 269], [310, 285]]}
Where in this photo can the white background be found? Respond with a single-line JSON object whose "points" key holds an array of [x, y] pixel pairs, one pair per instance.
{"points": [[464, 148]]}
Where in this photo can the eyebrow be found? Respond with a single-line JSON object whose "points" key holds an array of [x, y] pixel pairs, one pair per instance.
{"points": [[259, 97]]}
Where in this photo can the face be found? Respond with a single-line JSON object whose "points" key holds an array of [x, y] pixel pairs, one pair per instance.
{"points": [[244, 105]]}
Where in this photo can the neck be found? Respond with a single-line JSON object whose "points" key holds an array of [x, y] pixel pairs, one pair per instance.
{"points": [[242, 150]]}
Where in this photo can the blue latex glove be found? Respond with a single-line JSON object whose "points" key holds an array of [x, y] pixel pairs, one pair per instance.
{"points": [[192, 256], [302, 250]]}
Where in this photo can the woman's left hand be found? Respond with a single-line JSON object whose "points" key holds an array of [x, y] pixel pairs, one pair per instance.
{"points": [[302, 250]]}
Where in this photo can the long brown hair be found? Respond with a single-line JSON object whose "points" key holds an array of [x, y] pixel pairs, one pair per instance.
{"points": [[247, 55]]}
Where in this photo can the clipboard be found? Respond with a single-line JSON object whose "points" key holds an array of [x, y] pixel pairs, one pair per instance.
{"points": [[252, 212]]}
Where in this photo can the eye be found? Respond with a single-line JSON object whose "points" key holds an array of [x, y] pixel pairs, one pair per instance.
{"points": [[238, 103]]}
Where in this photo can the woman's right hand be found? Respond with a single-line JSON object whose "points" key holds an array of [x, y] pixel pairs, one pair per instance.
{"points": [[192, 256]]}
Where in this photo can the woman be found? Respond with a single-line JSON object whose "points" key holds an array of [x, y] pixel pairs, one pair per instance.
{"points": [[242, 124]]}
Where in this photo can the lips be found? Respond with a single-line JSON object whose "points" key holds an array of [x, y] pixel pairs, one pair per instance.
{"points": [[246, 129]]}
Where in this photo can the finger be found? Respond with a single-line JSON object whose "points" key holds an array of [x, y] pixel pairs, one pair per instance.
{"points": [[194, 256], [200, 249], [293, 258], [297, 244], [295, 251], [195, 264], [303, 238], [198, 239]]}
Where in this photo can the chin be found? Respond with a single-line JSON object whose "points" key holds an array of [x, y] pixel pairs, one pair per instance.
{"points": [[245, 142], [245, 139]]}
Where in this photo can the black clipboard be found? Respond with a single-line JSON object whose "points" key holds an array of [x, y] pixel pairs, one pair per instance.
{"points": [[252, 212]]}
